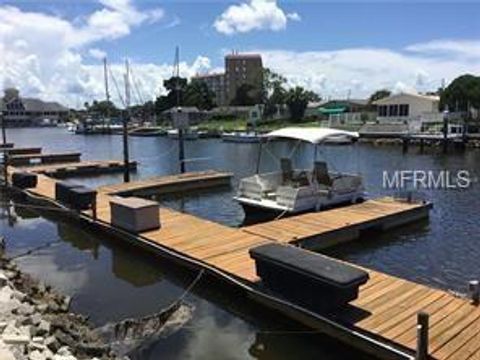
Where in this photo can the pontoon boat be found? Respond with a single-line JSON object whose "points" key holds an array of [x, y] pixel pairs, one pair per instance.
{"points": [[292, 190]]}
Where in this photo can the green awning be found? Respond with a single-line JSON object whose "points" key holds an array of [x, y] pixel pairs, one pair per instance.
{"points": [[328, 111]]}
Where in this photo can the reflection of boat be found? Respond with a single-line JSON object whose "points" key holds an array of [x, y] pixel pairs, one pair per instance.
{"points": [[297, 190], [241, 137], [187, 134], [147, 131]]}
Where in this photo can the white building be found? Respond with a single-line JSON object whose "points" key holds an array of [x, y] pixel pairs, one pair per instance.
{"points": [[19, 111], [411, 109]]}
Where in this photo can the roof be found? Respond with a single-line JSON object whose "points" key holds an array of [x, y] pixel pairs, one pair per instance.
{"points": [[243, 56], [37, 105], [309, 134], [417, 96], [333, 110], [203, 76]]}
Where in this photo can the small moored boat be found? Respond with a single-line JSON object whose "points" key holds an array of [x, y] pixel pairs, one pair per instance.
{"points": [[241, 137]]}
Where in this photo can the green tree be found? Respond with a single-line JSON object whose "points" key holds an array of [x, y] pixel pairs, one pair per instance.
{"points": [[272, 82], [245, 96], [175, 93], [103, 108], [297, 100], [379, 94], [462, 93], [198, 94]]}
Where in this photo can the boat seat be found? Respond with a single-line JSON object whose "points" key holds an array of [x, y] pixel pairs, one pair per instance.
{"points": [[321, 173], [287, 171]]}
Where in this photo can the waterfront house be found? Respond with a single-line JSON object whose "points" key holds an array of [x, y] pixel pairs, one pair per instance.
{"points": [[413, 110], [20, 112]]}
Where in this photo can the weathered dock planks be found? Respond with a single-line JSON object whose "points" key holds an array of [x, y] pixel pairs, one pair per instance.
{"points": [[79, 168], [170, 183], [387, 306]]}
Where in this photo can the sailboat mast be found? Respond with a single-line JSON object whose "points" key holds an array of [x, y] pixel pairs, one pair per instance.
{"points": [[126, 119], [181, 146], [105, 75], [107, 92]]}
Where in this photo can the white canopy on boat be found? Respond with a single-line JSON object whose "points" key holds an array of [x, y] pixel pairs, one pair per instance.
{"points": [[312, 135]]}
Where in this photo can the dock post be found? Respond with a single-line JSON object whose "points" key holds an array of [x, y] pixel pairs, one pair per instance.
{"points": [[422, 336], [5, 152], [445, 131], [474, 290], [94, 208], [405, 144]]}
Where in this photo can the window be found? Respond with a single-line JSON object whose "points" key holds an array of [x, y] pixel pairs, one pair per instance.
{"points": [[393, 110], [382, 110], [403, 110]]}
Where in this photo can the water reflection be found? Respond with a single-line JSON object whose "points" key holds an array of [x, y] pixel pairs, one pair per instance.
{"points": [[110, 282], [108, 285]]}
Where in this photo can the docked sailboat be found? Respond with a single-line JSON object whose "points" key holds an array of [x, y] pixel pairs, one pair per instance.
{"points": [[290, 190]]}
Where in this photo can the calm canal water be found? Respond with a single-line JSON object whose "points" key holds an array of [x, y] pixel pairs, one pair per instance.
{"points": [[109, 283]]}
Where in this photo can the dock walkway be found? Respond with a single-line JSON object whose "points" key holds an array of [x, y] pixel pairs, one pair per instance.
{"points": [[387, 306], [160, 185], [78, 168]]}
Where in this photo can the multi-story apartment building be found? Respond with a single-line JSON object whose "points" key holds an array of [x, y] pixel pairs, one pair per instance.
{"points": [[240, 69], [216, 83], [243, 69]]}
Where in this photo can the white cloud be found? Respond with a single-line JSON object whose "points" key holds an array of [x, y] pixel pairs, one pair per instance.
{"points": [[253, 15], [50, 57], [364, 70], [97, 54], [463, 48], [294, 16], [44, 55]]}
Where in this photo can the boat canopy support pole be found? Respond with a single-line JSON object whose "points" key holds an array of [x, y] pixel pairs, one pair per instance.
{"points": [[259, 157]]}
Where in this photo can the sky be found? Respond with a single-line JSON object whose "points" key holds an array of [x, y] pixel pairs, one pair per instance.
{"points": [[54, 49]]}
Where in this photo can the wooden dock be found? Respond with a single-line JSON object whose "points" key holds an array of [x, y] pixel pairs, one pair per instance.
{"points": [[22, 151], [382, 321], [36, 159], [63, 170], [319, 230], [160, 185]]}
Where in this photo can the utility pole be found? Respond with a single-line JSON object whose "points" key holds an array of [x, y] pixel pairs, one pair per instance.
{"points": [[181, 145], [126, 119]]}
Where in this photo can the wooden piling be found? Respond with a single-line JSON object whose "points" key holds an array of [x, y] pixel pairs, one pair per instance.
{"points": [[474, 290], [422, 336]]}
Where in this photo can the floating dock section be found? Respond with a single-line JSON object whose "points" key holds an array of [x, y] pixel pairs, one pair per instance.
{"points": [[35, 159], [381, 321], [170, 183], [78, 168]]}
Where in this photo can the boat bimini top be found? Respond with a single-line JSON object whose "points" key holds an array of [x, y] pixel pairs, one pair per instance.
{"points": [[312, 135]]}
